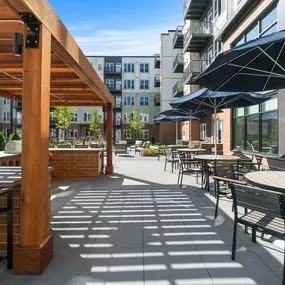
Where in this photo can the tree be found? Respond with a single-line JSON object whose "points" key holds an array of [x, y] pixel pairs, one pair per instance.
{"points": [[136, 125], [2, 142], [64, 116], [95, 123], [15, 137]]}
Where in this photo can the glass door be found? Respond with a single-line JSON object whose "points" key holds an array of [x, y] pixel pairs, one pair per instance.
{"points": [[220, 131]]}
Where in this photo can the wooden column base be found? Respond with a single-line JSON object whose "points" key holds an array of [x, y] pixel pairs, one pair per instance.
{"points": [[109, 170], [33, 260]]}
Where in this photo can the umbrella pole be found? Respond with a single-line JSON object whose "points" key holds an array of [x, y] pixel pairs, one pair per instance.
{"points": [[215, 131], [176, 130], [190, 131]]}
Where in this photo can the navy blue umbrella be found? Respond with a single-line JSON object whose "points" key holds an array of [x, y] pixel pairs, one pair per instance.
{"points": [[257, 65], [205, 98]]}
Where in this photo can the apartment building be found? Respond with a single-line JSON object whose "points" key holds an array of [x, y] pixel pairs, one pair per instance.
{"points": [[218, 25], [5, 116]]}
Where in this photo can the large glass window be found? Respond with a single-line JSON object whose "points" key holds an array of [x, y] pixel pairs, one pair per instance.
{"points": [[264, 26], [255, 128]]}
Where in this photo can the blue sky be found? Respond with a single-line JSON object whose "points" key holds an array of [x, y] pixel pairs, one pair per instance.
{"points": [[119, 27]]}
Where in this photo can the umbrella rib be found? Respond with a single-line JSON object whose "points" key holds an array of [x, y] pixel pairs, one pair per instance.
{"points": [[271, 58], [274, 66], [262, 75], [237, 72]]}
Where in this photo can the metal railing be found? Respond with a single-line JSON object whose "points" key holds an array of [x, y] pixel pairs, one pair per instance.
{"points": [[114, 87], [198, 28], [195, 67], [178, 60], [115, 69], [178, 33], [186, 6], [178, 87], [156, 59], [157, 79], [157, 100]]}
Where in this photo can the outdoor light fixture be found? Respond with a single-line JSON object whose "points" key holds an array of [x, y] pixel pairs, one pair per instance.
{"points": [[18, 44]]}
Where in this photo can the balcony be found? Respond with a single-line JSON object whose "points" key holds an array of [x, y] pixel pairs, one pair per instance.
{"points": [[113, 69], [194, 9], [178, 89], [194, 69], [157, 60], [157, 100], [114, 87], [178, 38], [157, 80], [178, 63], [18, 105], [198, 36]]}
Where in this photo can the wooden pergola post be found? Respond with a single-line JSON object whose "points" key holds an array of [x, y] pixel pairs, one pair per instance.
{"points": [[109, 168], [36, 245]]}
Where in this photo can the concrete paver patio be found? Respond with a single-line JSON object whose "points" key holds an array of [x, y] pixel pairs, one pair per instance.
{"points": [[137, 227]]}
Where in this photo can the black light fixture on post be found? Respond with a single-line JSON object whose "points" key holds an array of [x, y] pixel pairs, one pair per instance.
{"points": [[18, 44]]}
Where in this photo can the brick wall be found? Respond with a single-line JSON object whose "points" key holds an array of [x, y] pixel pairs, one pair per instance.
{"points": [[79, 164], [16, 218]]}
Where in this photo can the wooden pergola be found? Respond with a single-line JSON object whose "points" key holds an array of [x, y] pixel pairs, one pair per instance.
{"points": [[51, 71]]}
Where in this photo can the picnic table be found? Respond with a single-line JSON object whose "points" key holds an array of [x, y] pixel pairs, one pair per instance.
{"points": [[270, 180]]}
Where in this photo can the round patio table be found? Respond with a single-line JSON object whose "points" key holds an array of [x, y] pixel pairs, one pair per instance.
{"points": [[191, 149], [211, 157], [271, 180]]}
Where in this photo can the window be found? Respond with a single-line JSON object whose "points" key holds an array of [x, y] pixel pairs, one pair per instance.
{"points": [[144, 84], [203, 129], [109, 66], [118, 118], [6, 116], [264, 26], [217, 48], [72, 134], [129, 101], [52, 133], [118, 68], [87, 117], [129, 84], [217, 8], [220, 131], [6, 133], [144, 134], [129, 67], [127, 118], [255, 128], [144, 117], [6, 101], [110, 83], [128, 134], [118, 102], [99, 66], [144, 101], [118, 85], [144, 67], [74, 118]]}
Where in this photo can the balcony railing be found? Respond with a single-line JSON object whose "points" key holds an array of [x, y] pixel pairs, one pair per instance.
{"points": [[197, 36], [157, 60], [194, 9], [178, 38], [114, 87], [194, 68], [157, 100], [157, 80], [178, 89], [116, 69], [178, 63]]}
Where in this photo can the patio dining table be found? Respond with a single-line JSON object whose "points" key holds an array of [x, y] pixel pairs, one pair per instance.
{"points": [[206, 158], [270, 180], [190, 151]]}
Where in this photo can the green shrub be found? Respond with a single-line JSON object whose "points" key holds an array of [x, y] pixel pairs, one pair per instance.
{"points": [[15, 137], [2, 142]]}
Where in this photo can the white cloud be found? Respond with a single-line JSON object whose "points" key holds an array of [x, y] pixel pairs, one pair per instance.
{"points": [[137, 41]]}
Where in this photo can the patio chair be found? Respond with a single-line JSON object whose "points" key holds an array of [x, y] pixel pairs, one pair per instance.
{"points": [[120, 148], [170, 157], [224, 172], [188, 165], [267, 210], [145, 145], [255, 164], [136, 145]]}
